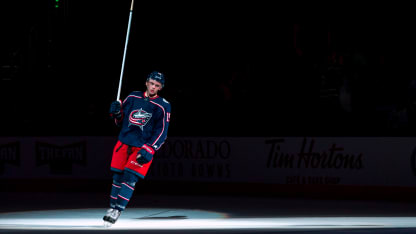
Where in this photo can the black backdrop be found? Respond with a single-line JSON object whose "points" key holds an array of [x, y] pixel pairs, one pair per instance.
{"points": [[235, 70]]}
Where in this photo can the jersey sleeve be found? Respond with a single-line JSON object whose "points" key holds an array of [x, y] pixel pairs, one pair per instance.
{"points": [[161, 126]]}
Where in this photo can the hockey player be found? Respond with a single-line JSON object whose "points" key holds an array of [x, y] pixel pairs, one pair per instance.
{"points": [[144, 121]]}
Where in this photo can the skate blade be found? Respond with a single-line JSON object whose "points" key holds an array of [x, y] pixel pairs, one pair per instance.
{"points": [[107, 224]]}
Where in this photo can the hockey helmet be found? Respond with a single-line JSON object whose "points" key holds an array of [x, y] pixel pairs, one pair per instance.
{"points": [[157, 76]]}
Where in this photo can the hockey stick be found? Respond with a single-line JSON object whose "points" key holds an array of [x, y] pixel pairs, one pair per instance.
{"points": [[125, 50]]}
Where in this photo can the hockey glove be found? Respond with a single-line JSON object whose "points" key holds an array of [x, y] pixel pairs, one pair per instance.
{"points": [[115, 110], [145, 155]]}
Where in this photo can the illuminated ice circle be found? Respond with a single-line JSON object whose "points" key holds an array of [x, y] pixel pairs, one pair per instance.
{"points": [[184, 219]]}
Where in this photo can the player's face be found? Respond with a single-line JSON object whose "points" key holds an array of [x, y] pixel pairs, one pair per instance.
{"points": [[153, 87]]}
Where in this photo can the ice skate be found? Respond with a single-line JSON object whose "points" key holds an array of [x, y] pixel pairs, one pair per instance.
{"points": [[106, 217], [107, 214], [111, 217]]}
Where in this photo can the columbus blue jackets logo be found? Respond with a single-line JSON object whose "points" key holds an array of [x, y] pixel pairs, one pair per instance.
{"points": [[139, 118]]}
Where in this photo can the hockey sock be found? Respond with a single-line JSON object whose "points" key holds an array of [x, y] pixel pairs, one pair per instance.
{"points": [[115, 189], [127, 189]]}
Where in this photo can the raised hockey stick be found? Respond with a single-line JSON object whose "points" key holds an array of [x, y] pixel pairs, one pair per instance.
{"points": [[125, 50]]}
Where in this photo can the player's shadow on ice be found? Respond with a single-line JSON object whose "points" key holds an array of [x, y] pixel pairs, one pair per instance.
{"points": [[167, 217]]}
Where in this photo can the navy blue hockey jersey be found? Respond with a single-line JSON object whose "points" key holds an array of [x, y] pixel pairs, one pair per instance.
{"points": [[144, 122]]}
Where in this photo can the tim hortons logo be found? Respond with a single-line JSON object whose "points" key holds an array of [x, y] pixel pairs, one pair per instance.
{"points": [[9, 154], [139, 118], [61, 158], [333, 157]]}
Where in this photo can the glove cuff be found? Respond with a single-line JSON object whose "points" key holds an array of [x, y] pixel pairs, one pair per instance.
{"points": [[148, 149]]}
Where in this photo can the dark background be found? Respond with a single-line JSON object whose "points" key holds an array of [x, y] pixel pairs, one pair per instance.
{"points": [[240, 69], [235, 70]]}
